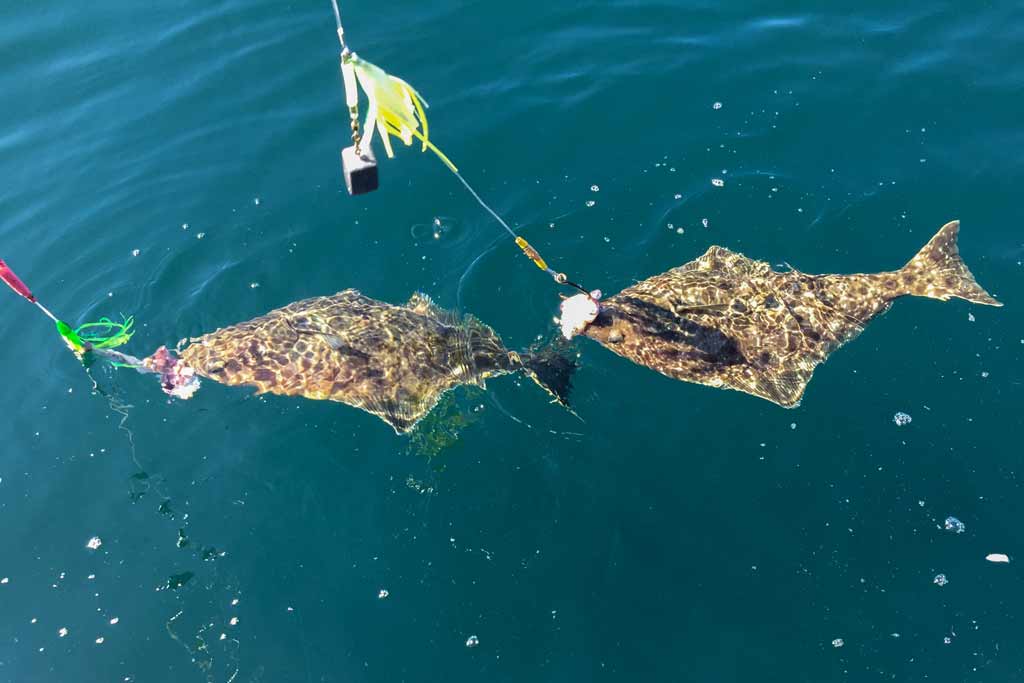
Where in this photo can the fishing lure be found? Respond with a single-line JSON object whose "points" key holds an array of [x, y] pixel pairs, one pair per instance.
{"points": [[100, 335], [395, 108]]}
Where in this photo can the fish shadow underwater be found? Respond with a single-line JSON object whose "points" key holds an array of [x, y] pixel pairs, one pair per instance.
{"points": [[721, 320]]}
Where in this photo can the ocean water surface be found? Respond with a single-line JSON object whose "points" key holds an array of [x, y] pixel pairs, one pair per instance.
{"points": [[179, 162]]}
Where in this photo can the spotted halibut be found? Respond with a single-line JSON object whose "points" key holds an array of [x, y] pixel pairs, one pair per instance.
{"points": [[724, 320], [392, 361]]}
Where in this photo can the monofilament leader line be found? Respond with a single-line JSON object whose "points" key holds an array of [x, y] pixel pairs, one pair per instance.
{"points": [[397, 109], [530, 253]]}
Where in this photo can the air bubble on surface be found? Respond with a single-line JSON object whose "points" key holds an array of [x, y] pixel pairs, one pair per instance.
{"points": [[902, 419], [955, 525]]}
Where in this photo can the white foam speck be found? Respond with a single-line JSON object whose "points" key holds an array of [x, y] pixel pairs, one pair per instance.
{"points": [[94, 543]]}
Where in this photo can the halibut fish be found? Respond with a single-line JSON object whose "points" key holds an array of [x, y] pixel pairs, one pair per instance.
{"points": [[724, 320], [392, 361]]}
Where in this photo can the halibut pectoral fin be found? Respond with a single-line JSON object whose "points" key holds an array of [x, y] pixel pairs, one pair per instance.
{"points": [[402, 412], [938, 271]]}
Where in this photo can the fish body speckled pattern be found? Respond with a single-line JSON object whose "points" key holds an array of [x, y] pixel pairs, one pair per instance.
{"points": [[392, 361], [724, 320]]}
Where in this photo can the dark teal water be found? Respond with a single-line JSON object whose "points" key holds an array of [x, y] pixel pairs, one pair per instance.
{"points": [[675, 532]]}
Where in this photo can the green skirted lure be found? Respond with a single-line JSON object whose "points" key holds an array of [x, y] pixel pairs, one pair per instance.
{"points": [[394, 107], [105, 333], [102, 334]]}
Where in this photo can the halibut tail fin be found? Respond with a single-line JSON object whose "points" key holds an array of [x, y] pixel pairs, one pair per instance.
{"points": [[938, 272], [552, 370]]}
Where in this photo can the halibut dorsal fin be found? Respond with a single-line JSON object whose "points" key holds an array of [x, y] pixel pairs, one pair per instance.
{"points": [[422, 304]]}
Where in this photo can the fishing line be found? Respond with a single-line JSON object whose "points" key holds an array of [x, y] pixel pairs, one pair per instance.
{"points": [[462, 280], [337, 20], [396, 108]]}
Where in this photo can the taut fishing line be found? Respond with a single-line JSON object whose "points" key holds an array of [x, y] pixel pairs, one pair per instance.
{"points": [[396, 108]]}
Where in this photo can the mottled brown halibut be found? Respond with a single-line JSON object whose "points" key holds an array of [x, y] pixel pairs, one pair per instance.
{"points": [[392, 361], [724, 320]]}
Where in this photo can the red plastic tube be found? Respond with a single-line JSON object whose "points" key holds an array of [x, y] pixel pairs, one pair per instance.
{"points": [[12, 280]]}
